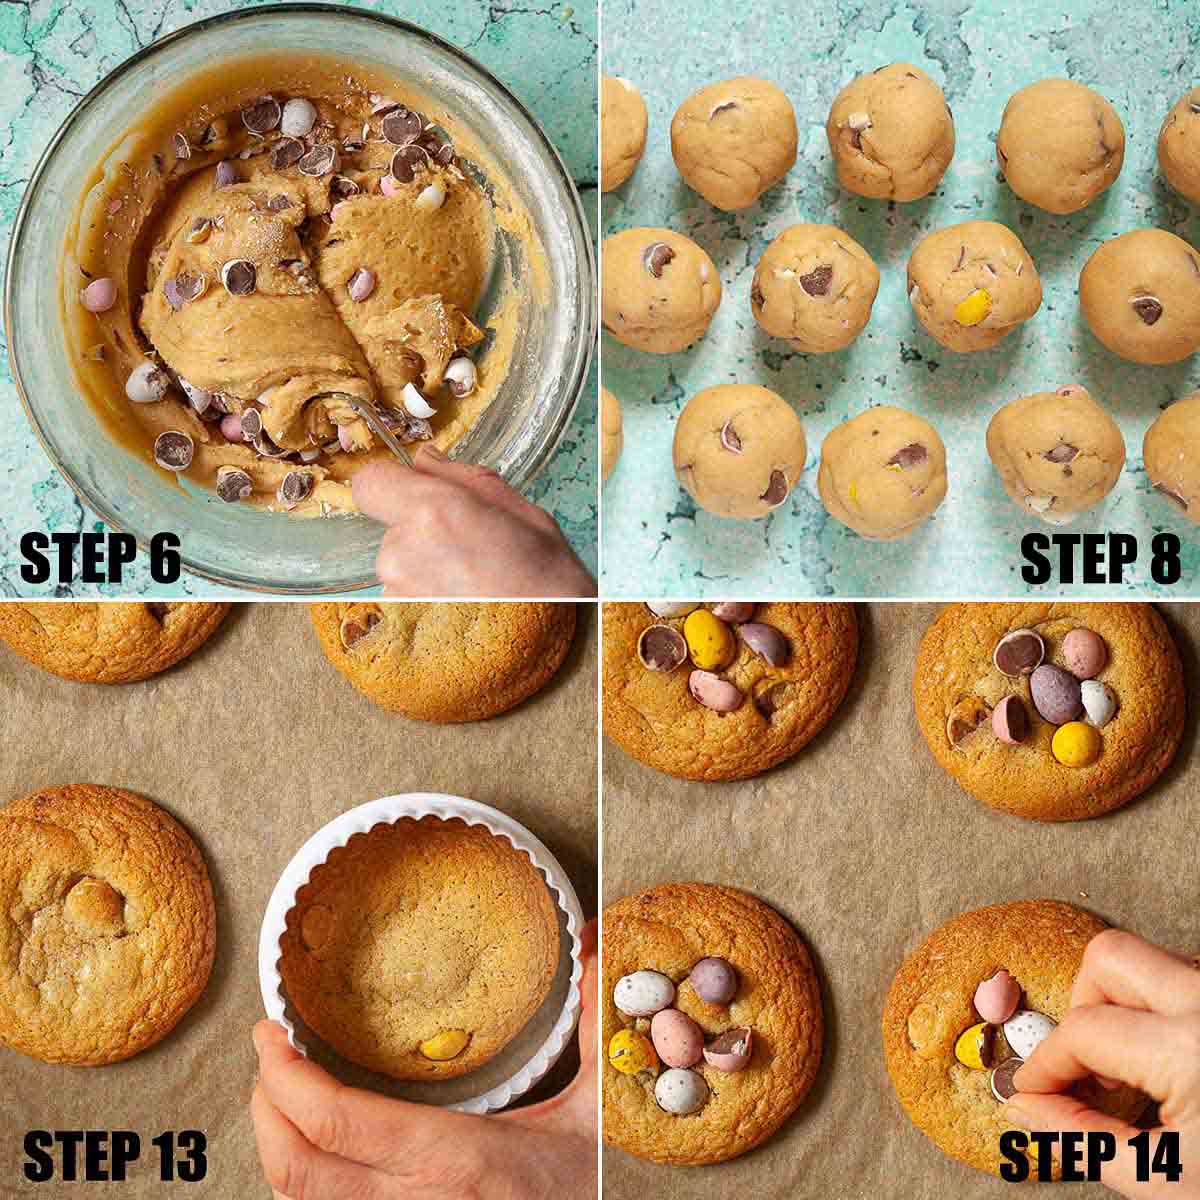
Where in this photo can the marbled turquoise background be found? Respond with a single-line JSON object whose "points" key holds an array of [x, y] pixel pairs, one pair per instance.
{"points": [[53, 51], [1141, 56]]}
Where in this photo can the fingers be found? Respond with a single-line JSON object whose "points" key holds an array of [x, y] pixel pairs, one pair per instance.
{"points": [[483, 481], [385, 491], [1121, 968], [589, 990]]}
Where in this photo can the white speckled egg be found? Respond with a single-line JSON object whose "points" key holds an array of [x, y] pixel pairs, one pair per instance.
{"points": [[1026, 1030], [1099, 702], [680, 1092], [643, 993], [677, 1038]]}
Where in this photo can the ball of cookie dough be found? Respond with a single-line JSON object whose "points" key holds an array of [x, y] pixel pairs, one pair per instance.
{"points": [[1058, 453], [971, 284], [1060, 144], [814, 286], [739, 450], [891, 134], [1171, 452], [882, 472], [1179, 146], [622, 131], [733, 140], [612, 437], [1140, 294], [660, 290]]}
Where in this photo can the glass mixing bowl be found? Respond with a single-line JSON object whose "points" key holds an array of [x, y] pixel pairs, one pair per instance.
{"points": [[517, 433]]}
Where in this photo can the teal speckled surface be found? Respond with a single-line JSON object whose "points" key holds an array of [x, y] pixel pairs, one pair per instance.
{"points": [[53, 51], [1141, 56]]}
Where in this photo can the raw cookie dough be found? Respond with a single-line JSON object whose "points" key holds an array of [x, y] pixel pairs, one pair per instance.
{"points": [[954, 670], [971, 284], [418, 930], [1171, 453], [814, 286], [1060, 145], [611, 436], [1179, 146], [882, 472], [733, 140], [1058, 453], [660, 290], [739, 450], [653, 716], [108, 643], [668, 929], [622, 130], [109, 927], [931, 1002], [445, 662], [1140, 293], [891, 134]]}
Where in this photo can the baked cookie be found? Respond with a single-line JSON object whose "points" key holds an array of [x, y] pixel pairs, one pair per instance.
{"points": [[109, 927], [941, 1049], [1053, 711], [1171, 453], [622, 130], [422, 948], [1179, 146], [612, 437], [113, 642], [696, 963], [446, 662], [724, 691]]}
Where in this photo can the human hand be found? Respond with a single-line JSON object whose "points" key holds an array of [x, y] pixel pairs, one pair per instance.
{"points": [[1134, 1019], [460, 530], [319, 1139]]}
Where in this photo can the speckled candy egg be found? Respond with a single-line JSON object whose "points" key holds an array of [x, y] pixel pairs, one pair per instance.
{"points": [[643, 993], [731, 1051], [1026, 1030], [1085, 653], [678, 1040], [1056, 694], [714, 981], [680, 1092]]}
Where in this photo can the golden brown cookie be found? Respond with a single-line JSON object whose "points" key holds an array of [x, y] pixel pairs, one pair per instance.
{"points": [[109, 928], [1040, 943], [422, 948], [669, 929], [112, 642], [446, 662], [957, 686], [654, 715]]}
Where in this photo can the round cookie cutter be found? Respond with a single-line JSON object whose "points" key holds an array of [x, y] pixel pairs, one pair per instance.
{"points": [[519, 1065]]}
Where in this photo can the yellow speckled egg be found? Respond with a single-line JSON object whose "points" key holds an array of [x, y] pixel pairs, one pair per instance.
{"points": [[974, 308], [631, 1052], [448, 1044], [974, 1047], [1076, 744], [710, 640]]}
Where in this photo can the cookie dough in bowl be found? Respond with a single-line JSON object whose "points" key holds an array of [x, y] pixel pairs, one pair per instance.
{"points": [[622, 130], [1179, 146], [1171, 454], [969, 1005], [1058, 712], [711, 1021], [727, 690]]}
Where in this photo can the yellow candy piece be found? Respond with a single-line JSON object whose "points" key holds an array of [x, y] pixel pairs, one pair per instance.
{"points": [[974, 308], [1076, 744], [710, 640], [448, 1044], [974, 1047], [631, 1052]]}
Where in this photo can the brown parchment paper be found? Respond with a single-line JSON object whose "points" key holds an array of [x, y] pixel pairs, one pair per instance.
{"points": [[254, 743], [866, 845]]}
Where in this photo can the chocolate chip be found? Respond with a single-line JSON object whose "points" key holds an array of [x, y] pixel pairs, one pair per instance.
{"points": [[226, 174], [730, 439], [343, 187], [240, 276], [158, 609], [407, 161], [279, 203], [1163, 490], [756, 296], [401, 126], [777, 490], [181, 146], [1062, 453], [907, 457], [296, 486], [1003, 1087], [252, 425], [173, 450], [320, 160], [817, 281], [726, 107], [656, 256], [287, 152], [233, 484], [263, 115], [1148, 308]]}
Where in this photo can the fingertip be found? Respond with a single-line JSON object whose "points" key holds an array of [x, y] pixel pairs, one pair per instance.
{"points": [[374, 484]]}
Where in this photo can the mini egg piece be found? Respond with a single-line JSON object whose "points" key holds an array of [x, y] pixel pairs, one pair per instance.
{"points": [[1099, 702], [996, 999], [631, 1052], [1025, 1030], [974, 1046], [731, 1051]]}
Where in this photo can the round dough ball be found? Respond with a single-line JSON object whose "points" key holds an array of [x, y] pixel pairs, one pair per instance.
{"points": [[1179, 146], [612, 437], [733, 140], [891, 134], [814, 286], [1060, 145], [1140, 294], [622, 131], [1171, 452], [971, 284], [739, 450], [660, 290], [882, 472], [1058, 453]]}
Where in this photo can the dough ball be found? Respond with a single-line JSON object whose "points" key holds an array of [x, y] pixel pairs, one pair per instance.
{"points": [[1060, 144], [1179, 146], [891, 134], [622, 131], [882, 472], [1058, 453], [612, 437], [814, 286], [733, 140], [970, 284], [1171, 452], [1140, 294], [660, 289], [739, 450]]}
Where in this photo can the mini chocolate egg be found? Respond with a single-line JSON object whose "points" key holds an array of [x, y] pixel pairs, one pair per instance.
{"points": [[1076, 744], [974, 1046], [661, 648], [709, 640], [1010, 721], [1055, 694], [766, 641], [1085, 653], [1019, 653], [731, 1050], [1025, 1030], [1003, 1087], [643, 993], [714, 981], [733, 611], [680, 1092], [677, 1038], [1099, 702], [996, 999], [668, 609], [631, 1052]]}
